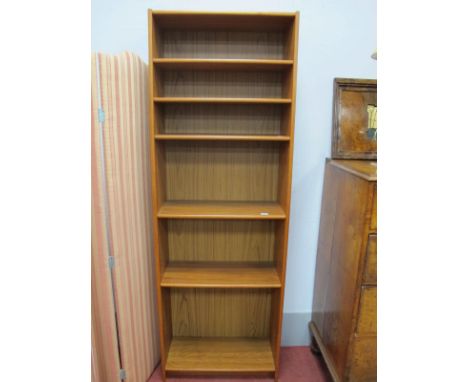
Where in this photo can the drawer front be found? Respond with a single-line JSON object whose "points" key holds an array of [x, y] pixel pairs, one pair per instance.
{"points": [[370, 268], [367, 319], [363, 360], [373, 224]]}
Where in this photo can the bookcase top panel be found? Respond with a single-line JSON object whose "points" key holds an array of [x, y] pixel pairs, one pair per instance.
{"points": [[224, 20]]}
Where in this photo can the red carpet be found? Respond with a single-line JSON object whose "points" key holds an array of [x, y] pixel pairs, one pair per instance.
{"points": [[298, 364]]}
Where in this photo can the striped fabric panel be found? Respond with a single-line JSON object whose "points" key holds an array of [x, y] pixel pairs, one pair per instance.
{"points": [[104, 361], [104, 352], [124, 97]]}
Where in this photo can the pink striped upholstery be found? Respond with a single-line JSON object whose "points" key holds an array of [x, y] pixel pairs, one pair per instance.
{"points": [[105, 364], [123, 81]]}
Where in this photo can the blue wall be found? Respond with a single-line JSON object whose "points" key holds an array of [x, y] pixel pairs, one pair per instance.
{"points": [[336, 39]]}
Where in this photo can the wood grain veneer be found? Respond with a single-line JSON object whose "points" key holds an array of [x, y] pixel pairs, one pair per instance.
{"points": [[373, 222], [220, 355], [204, 312], [223, 44], [246, 21], [222, 171], [222, 91], [222, 64], [350, 119], [220, 241], [370, 270], [344, 312], [222, 119], [196, 275], [363, 360], [237, 100], [367, 316], [365, 169], [213, 137], [218, 83], [157, 195], [221, 210]]}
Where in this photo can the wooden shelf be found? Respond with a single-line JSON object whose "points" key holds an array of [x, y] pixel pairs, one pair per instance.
{"points": [[222, 100], [224, 20], [221, 210], [219, 137], [218, 355], [219, 276], [222, 64]]}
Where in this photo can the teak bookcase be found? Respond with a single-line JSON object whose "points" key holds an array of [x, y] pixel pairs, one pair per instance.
{"points": [[222, 90]]}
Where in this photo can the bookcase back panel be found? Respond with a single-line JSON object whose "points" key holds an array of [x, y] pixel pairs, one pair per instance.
{"points": [[222, 171], [222, 44], [221, 312], [220, 83], [221, 119], [245, 241]]}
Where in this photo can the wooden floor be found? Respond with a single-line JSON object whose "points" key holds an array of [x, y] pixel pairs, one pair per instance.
{"points": [[298, 364]]}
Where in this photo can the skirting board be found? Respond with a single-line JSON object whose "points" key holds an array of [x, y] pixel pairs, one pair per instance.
{"points": [[296, 329]]}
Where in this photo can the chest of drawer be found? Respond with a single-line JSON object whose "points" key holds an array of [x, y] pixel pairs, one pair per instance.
{"points": [[363, 360], [370, 266], [373, 223], [367, 319]]}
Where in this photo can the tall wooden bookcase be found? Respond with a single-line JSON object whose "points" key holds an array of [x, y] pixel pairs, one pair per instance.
{"points": [[222, 91]]}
